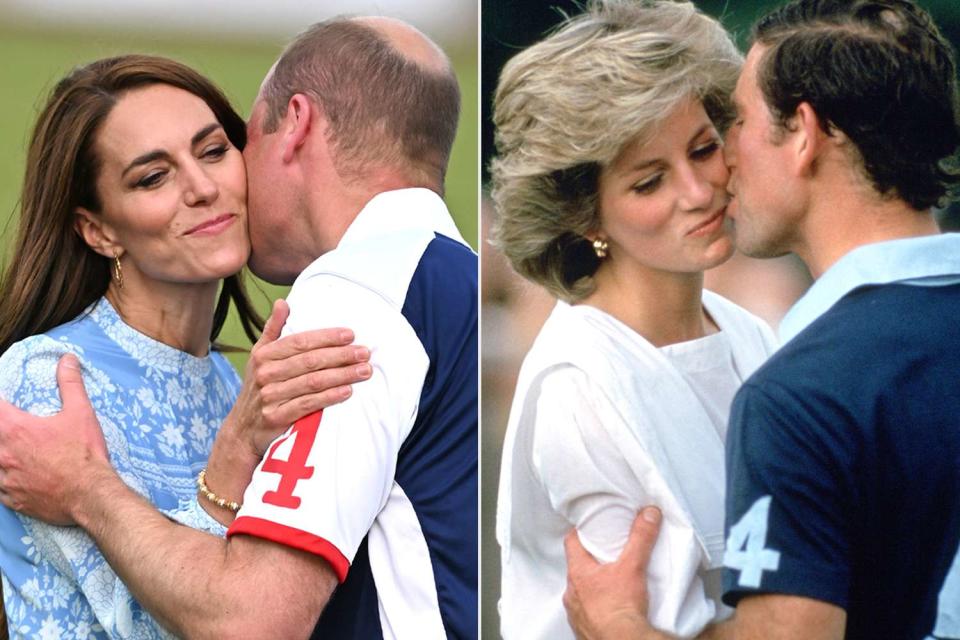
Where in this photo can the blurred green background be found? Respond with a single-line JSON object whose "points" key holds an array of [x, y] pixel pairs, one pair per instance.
{"points": [[36, 56]]}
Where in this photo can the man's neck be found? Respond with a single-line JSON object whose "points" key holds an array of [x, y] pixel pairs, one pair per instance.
{"points": [[332, 212], [839, 224]]}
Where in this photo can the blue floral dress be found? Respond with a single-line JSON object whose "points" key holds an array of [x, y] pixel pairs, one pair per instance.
{"points": [[160, 409]]}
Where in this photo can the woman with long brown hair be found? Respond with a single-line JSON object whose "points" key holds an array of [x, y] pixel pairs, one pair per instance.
{"points": [[132, 235]]}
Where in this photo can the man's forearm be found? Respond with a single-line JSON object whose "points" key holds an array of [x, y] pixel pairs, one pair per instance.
{"points": [[784, 617], [640, 629], [195, 584], [719, 631], [159, 562]]}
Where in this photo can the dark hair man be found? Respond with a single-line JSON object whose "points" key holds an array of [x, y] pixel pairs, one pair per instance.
{"points": [[843, 455]]}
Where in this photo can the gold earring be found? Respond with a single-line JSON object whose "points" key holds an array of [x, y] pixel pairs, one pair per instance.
{"points": [[117, 270], [600, 247]]}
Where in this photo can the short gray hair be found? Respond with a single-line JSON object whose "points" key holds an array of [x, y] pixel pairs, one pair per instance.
{"points": [[566, 106]]}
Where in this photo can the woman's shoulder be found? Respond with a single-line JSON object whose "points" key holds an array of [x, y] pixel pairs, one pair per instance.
{"points": [[68, 337], [563, 400], [573, 335], [28, 368], [32, 348]]}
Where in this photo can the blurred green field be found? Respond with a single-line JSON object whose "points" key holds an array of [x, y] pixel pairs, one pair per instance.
{"points": [[36, 59]]}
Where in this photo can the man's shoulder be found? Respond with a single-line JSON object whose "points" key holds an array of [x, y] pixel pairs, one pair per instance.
{"points": [[868, 319], [446, 274], [857, 366], [447, 253], [389, 264]]}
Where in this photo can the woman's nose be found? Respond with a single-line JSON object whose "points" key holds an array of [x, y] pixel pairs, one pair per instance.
{"points": [[697, 190], [199, 187]]}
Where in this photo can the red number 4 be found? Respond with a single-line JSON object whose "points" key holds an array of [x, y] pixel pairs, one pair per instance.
{"points": [[294, 468]]}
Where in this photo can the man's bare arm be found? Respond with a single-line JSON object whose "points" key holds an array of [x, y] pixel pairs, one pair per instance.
{"points": [[610, 601], [56, 469], [195, 584], [783, 617]]}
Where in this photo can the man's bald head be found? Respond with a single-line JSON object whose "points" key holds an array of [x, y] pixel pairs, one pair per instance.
{"points": [[409, 42], [387, 91]]}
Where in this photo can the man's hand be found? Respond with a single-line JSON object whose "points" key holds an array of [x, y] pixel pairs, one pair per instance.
{"points": [[611, 600], [47, 463], [288, 378]]}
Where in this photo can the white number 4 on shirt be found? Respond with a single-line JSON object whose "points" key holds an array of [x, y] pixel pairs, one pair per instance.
{"points": [[745, 545]]}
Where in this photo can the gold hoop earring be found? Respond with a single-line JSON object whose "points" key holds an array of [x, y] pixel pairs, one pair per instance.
{"points": [[117, 270], [600, 247]]}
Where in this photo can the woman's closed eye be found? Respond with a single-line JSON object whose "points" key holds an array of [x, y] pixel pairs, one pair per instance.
{"points": [[214, 152], [705, 151], [151, 179], [649, 184]]}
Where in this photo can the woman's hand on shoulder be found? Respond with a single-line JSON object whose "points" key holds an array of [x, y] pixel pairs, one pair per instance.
{"points": [[290, 377]]}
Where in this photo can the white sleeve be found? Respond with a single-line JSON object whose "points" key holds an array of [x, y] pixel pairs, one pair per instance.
{"points": [[599, 487], [322, 484]]}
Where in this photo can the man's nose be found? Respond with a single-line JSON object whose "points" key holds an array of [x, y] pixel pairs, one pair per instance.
{"points": [[730, 146]]}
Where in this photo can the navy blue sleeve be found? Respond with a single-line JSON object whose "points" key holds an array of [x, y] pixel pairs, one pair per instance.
{"points": [[788, 491]]}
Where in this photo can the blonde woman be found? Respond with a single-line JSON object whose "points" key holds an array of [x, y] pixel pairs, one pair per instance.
{"points": [[610, 188]]}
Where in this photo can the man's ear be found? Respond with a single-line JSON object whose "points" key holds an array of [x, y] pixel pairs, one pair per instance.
{"points": [[810, 137], [297, 124], [97, 234]]}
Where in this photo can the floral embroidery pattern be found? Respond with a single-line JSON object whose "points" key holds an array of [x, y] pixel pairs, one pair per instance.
{"points": [[160, 409]]}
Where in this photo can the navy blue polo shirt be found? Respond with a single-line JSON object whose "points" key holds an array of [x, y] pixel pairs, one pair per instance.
{"points": [[844, 451]]}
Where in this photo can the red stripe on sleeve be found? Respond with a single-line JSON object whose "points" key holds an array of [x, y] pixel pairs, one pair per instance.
{"points": [[291, 537]]}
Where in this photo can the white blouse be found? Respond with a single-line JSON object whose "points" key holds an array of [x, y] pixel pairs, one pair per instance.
{"points": [[708, 367], [602, 424]]}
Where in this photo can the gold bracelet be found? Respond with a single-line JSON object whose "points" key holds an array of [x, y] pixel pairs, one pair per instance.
{"points": [[211, 496]]}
